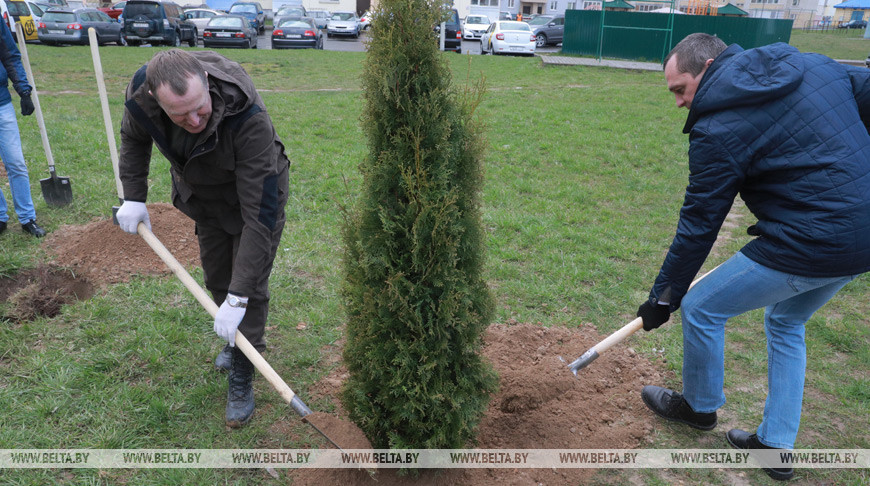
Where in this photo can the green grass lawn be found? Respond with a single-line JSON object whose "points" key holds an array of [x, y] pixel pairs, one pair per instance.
{"points": [[834, 43], [585, 174]]}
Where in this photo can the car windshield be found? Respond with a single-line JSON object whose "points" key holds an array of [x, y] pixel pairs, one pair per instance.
{"points": [[18, 8], [36, 9], [62, 17], [243, 9], [343, 16], [522, 26], [476, 19], [288, 11], [540, 20], [295, 23], [317, 15], [133, 10], [225, 21]]}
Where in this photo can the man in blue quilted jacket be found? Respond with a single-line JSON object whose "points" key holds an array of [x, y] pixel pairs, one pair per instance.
{"points": [[783, 130]]}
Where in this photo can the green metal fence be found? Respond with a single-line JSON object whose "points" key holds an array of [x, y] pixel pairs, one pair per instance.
{"points": [[641, 36]]}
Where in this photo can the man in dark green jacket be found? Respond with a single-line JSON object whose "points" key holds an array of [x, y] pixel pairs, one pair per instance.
{"points": [[229, 174]]}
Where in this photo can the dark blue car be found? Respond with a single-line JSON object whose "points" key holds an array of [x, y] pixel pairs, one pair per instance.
{"points": [[252, 11]]}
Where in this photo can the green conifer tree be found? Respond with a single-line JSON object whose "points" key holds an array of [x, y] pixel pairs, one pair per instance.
{"points": [[414, 244]]}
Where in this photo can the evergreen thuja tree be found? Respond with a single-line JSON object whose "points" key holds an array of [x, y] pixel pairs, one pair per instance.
{"points": [[414, 245]]}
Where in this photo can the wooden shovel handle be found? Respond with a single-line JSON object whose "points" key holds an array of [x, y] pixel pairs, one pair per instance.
{"points": [[104, 101], [633, 326], [22, 46], [241, 342]]}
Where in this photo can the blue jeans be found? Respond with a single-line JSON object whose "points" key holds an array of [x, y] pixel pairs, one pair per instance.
{"points": [[16, 168], [737, 286]]}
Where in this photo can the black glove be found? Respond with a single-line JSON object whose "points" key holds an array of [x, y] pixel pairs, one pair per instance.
{"points": [[26, 105], [653, 315]]}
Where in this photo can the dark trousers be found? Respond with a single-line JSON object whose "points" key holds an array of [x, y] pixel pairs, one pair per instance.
{"points": [[217, 252]]}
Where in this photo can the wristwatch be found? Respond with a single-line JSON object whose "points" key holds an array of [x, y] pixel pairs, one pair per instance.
{"points": [[234, 301]]}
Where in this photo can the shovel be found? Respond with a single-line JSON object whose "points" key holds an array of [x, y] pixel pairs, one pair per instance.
{"points": [[627, 330], [55, 190], [241, 342]]}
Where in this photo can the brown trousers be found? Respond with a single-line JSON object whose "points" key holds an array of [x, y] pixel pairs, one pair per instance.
{"points": [[217, 252]]}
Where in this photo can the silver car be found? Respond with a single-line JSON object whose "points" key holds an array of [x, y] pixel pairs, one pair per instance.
{"points": [[200, 17], [343, 23], [68, 26]]}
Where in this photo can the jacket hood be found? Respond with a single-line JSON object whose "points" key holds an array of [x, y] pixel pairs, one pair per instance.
{"points": [[752, 77]]}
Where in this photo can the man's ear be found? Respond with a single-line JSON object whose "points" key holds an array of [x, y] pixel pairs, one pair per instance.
{"points": [[707, 64]]}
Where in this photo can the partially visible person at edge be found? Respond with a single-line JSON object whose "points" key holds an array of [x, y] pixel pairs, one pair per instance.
{"points": [[229, 174], [10, 137], [783, 130]]}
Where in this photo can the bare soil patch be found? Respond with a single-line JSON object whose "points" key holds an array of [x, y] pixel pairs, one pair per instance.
{"points": [[104, 254], [541, 405], [41, 291]]}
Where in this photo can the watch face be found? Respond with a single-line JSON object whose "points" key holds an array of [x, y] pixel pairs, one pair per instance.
{"points": [[233, 301]]}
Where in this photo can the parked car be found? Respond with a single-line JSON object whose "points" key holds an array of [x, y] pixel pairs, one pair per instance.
{"points": [[252, 11], [297, 33], [200, 17], [343, 23], [17, 11], [853, 24], [321, 17], [548, 29], [508, 37], [288, 11], [115, 10], [64, 25], [452, 32], [474, 26], [506, 16], [230, 31], [156, 22], [366, 20], [37, 11]]}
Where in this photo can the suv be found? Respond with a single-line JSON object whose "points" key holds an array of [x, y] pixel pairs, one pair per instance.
{"points": [[252, 11], [452, 32], [548, 29], [156, 22]]}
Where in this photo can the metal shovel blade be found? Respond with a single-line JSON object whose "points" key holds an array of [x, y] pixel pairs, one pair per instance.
{"points": [[56, 191]]}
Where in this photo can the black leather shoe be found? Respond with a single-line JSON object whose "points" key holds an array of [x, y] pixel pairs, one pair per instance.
{"points": [[2, 227], [671, 405], [740, 439], [240, 396], [224, 359], [33, 228]]}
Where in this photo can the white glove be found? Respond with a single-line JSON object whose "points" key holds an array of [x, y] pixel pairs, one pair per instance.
{"points": [[130, 214], [228, 318]]}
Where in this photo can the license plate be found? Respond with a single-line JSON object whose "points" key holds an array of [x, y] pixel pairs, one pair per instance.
{"points": [[57, 32], [223, 34], [516, 48], [140, 24], [294, 36]]}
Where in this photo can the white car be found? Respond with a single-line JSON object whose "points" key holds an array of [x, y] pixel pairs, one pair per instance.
{"points": [[200, 17], [343, 23], [475, 26], [366, 20], [508, 37]]}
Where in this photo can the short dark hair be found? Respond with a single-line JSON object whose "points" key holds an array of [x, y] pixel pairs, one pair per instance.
{"points": [[173, 68], [693, 51]]}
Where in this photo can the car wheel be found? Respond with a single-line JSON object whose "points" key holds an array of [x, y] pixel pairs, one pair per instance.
{"points": [[192, 41], [540, 40], [122, 41], [176, 41], [254, 44]]}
